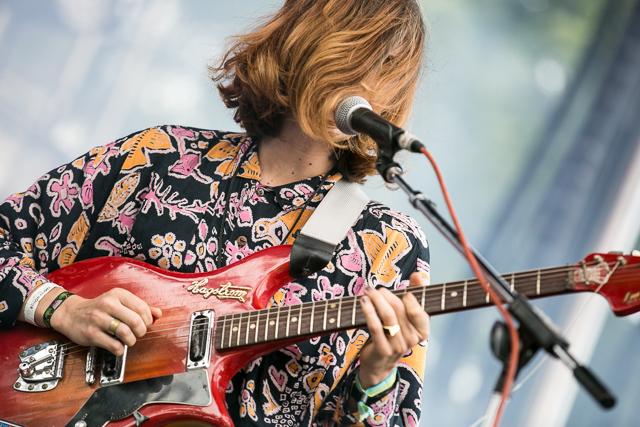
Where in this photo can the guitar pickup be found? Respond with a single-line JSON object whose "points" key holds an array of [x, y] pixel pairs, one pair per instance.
{"points": [[200, 339], [113, 366]]}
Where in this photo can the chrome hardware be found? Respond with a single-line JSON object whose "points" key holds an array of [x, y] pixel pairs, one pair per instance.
{"points": [[41, 367], [200, 339], [113, 366], [90, 366]]}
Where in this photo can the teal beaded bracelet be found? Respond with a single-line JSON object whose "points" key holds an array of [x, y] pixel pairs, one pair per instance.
{"points": [[363, 396]]}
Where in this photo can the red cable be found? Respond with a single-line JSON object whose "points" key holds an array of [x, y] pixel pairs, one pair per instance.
{"points": [[513, 333]]}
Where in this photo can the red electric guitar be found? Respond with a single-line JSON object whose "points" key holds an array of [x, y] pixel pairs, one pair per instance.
{"points": [[212, 325]]}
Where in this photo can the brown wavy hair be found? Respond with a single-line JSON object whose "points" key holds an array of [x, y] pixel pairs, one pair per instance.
{"points": [[311, 54]]}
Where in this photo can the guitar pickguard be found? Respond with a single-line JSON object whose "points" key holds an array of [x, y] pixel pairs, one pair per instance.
{"points": [[122, 400]]}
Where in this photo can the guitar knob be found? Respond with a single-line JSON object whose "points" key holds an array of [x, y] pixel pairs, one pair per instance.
{"points": [[26, 370]]}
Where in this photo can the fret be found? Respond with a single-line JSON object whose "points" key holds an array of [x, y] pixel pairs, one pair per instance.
{"points": [[464, 294], [231, 330], [266, 325], [324, 321], [286, 334], [224, 326], [300, 319], [538, 283], [353, 311], [313, 310], [424, 291], [239, 329], [277, 321], [444, 296], [513, 282], [249, 324], [257, 326], [339, 311], [487, 298]]}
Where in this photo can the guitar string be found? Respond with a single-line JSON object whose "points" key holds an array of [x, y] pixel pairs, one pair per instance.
{"points": [[434, 299], [430, 290]]}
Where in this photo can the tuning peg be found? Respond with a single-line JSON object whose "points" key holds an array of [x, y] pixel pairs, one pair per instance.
{"points": [[635, 252]]}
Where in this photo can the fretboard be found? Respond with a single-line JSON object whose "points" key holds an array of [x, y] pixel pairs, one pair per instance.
{"points": [[324, 317]]}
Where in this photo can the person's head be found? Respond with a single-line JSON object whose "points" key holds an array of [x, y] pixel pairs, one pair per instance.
{"points": [[311, 54]]}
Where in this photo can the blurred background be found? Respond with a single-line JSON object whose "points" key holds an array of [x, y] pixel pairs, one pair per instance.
{"points": [[530, 107]]}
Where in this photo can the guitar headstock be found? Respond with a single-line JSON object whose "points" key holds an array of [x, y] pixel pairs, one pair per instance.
{"points": [[614, 276]]}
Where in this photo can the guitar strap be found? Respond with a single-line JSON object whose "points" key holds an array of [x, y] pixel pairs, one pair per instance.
{"points": [[329, 224]]}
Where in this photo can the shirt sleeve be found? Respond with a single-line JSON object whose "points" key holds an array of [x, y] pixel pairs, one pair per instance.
{"points": [[44, 228]]}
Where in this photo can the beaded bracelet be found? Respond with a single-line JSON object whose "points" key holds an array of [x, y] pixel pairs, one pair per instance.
{"points": [[362, 396], [31, 304], [46, 318]]}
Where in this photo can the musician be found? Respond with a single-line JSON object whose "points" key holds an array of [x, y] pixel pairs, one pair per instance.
{"points": [[194, 200]]}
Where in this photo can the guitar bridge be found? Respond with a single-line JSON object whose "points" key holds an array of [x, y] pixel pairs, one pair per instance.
{"points": [[41, 367], [200, 339]]}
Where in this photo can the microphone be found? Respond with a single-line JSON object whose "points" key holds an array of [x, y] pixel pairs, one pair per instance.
{"points": [[354, 116]]}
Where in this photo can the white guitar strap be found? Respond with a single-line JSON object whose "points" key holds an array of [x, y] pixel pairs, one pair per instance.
{"points": [[329, 224]]}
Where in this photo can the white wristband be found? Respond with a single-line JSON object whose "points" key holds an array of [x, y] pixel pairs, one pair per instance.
{"points": [[32, 302]]}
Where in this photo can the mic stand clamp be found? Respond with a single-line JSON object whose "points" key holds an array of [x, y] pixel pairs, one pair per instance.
{"points": [[531, 320]]}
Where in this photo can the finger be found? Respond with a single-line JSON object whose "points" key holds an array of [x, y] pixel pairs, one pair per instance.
{"points": [[98, 335], [132, 325], [136, 305], [374, 324], [156, 313], [123, 333], [383, 304]]}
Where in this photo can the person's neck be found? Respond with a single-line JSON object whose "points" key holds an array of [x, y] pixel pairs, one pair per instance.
{"points": [[292, 156]]}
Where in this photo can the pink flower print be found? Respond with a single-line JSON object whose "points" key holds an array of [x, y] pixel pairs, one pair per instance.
{"points": [[237, 253], [292, 290], [126, 218], [245, 216], [327, 290], [63, 193], [189, 258], [351, 262], [182, 132], [358, 287], [203, 230], [186, 164], [87, 192]]}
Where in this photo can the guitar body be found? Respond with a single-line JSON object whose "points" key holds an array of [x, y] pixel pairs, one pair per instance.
{"points": [[212, 325], [158, 355]]}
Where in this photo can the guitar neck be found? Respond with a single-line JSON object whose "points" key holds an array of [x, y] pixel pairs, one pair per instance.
{"points": [[324, 317]]}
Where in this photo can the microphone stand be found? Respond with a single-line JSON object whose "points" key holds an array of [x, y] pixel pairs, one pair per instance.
{"points": [[535, 330]]}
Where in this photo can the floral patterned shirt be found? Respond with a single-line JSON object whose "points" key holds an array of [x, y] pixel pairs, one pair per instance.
{"points": [[191, 200]]}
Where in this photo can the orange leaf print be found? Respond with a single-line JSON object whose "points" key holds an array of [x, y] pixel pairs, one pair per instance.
{"points": [[416, 360], [385, 252], [79, 231], [223, 151], [251, 169], [121, 191], [151, 139], [67, 256]]}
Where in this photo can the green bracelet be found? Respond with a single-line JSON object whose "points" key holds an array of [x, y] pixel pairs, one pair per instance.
{"points": [[55, 304], [362, 396]]}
